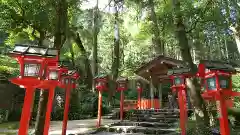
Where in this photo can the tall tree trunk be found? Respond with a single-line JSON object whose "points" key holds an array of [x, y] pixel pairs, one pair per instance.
{"points": [[158, 45], [42, 103], [193, 84], [61, 25], [116, 57], [235, 29], [236, 35], [59, 39], [72, 54], [95, 43], [89, 76], [40, 119]]}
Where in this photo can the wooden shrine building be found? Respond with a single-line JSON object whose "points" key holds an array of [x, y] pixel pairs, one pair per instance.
{"points": [[155, 71]]}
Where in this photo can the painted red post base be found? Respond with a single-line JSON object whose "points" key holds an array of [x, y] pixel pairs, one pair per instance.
{"points": [[121, 105], [139, 100], [49, 110], [66, 110], [183, 111], [26, 111], [224, 124], [99, 108]]}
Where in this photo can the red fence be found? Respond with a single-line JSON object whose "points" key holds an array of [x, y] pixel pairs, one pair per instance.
{"points": [[145, 104]]}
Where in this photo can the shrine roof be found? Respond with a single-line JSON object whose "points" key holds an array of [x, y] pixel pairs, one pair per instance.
{"points": [[158, 67]]}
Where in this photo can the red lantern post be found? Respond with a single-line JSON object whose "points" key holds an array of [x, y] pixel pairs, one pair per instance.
{"points": [[122, 86], [68, 82], [50, 82], [139, 89], [216, 77], [101, 85], [178, 77], [32, 61]]}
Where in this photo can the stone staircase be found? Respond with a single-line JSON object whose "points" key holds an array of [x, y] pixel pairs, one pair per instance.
{"points": [[154, 122], [115, 113]]}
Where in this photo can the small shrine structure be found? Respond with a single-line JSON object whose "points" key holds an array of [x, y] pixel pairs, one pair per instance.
{"points": [[155, 71]]}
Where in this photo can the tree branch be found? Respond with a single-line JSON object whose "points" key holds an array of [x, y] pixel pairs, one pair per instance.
{"points": [[110, 1], [201, 13], [33, 34]]}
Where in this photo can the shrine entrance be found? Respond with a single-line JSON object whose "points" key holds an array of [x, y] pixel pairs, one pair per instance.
{"points": [[155, 71]]}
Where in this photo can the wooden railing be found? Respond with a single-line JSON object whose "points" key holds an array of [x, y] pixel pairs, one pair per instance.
{"points": [[145, 104]]}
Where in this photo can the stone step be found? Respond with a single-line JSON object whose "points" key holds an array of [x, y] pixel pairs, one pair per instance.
{"points": [[111, 133], [149, 112], [155, 115], [143, 124], [149, 119], [139, 129], [157, 110]]}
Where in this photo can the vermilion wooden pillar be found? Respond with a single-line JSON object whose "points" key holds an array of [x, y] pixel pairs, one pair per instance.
{"points": [[26, 111], [224, 124], [182, 107], [178, 77], [101, 85], [49, 110], [121, 105], [122, 86], [66, 110], [99, 108], [139, 100], [139, 89]]}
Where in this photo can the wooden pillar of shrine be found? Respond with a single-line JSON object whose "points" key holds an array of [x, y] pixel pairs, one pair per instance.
{"points": [[152, 92], [160, 94]]}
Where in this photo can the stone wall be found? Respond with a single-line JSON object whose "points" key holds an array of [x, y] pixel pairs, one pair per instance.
{"points": [[10, 95]]}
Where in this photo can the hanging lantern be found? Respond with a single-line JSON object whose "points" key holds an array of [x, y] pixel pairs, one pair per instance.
{"points": [[122, 83], [217, 75], [73, 77], [33, 61], [178, 76], [139, 86], [101, 82]]}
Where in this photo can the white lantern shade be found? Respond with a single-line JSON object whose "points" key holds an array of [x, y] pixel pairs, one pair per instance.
{"points": [[53, 75], [178, 81], [52, 52], [211, 83], [36, 50], [224, 82], [31, 70], [19, 48]]}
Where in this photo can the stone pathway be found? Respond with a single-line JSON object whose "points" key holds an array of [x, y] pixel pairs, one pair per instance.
{"points": [[74, 127]]}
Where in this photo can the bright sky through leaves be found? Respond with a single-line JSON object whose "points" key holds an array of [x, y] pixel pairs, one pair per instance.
{"points": [[91, 3]]}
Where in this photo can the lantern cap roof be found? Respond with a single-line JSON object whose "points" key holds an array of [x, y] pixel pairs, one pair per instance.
{"points": [[21, 49], [122, 79], [71, 72], [179, 70], [218, 65], [101, 76]]}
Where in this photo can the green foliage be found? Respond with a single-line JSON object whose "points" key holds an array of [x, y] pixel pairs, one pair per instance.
{"points": [[82, 107], [8, 67], [236, 87], [235, 113]]}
